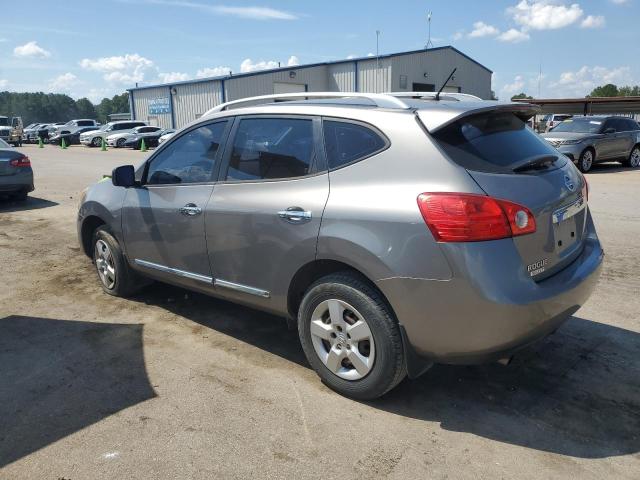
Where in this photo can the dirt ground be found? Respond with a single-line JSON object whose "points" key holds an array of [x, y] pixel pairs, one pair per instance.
{"points": [[172, 384]]}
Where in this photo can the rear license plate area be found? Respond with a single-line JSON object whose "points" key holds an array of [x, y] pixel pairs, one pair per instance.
{"points": [[565, 225]]}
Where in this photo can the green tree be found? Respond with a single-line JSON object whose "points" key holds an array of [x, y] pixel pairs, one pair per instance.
{"points": [[85, 108], [629, 91], [522, 96], [117, 104], [608, 90]]}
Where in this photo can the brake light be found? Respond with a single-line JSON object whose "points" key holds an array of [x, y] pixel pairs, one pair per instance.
{"points": [[466, 217], [20, 162]]}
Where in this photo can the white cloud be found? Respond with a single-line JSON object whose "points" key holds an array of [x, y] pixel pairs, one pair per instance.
{"points": [[213, 72], [173, 77], [544, 14], [63, 83], [4, 83], [248, 65], [619, 2], [481, 29], [593, 21], [124, 69], [253, 13], [31, 49], [351, 56], [458, 35], [370, 54], [580, 83], [293, 61], [514, 36], [515, 87]]}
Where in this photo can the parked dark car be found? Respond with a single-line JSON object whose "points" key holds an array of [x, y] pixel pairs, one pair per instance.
{"points": [[151, 140], [70, 138], [16, 175]]}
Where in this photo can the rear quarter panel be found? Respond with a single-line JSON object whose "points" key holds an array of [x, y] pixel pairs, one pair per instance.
{"points": [[372, 221]]}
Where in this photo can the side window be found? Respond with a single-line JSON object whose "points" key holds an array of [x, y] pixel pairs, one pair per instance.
{"points": [[189, 158], [347, 142], [119, 126], [85, 123], [608, 124], [632, 125], [271, 148], [146, 129]]}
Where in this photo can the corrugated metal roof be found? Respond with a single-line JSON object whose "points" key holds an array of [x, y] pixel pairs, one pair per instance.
{"points": [[309, 65]]}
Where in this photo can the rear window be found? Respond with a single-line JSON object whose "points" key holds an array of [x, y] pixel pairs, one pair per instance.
{"points": [[349, 142], [491, 142]]}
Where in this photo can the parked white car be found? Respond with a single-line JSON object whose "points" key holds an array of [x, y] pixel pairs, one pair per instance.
{"points": [[166, 136], [73, 125], [94, 138], [119, 139]]}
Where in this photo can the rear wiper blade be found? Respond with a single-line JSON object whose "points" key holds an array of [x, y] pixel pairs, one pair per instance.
{"points": [[537, 162]]}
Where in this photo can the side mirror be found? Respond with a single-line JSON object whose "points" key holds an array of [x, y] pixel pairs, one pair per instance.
{"points": [[610, 130], [124, 176]]}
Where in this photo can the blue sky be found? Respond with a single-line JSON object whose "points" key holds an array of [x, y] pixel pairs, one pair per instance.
{"points": [[99, 48]]}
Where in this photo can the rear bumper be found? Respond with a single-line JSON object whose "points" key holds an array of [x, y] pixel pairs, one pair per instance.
{"points": [[19, 182], [481, 315]]}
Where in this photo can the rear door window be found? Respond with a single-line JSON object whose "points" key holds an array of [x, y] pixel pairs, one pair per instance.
{"points": [[271, 148], [347, 142], [491, 142], [85, 123]]}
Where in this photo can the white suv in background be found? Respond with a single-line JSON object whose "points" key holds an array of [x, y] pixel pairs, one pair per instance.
{"points": [[73, 126], [94, 138]]}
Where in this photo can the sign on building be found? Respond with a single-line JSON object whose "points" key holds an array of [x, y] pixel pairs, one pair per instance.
{"points": [[159, 105]]}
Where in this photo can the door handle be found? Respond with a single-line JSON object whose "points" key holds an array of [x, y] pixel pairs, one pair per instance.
{"points": [[295, 215], [190, 210]]}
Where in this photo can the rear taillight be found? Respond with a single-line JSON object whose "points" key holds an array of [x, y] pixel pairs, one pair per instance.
{"points": [[585, 189], [466, 217], [20, 162]]}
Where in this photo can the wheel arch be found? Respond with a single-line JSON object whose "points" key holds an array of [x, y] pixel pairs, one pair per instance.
{"points": [[89, 225]]}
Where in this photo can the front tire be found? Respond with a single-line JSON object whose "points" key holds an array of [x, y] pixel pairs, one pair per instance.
{"points": [[350, 337], [585, 162], [96, 142], [634, 158], [120, 143], [114, 273]]}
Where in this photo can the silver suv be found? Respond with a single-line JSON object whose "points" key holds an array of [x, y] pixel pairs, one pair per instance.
{"points": [[396, 230], [588, 140]]}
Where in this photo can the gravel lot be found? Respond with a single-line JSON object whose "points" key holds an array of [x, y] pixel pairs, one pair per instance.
{"points": [[172, 384]]}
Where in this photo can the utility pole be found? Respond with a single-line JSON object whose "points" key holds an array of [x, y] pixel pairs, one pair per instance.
{"points": [[429, 42]]}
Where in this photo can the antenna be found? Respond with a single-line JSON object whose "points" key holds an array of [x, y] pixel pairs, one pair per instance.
{"points": [[445, 84], [429, 42]]}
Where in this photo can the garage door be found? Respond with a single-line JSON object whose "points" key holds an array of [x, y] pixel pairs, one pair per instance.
{"points": [[280, 87]]}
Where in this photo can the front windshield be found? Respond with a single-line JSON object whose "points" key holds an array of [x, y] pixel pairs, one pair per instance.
{"points": [[105, 128], [579, 125], [4, 144]]}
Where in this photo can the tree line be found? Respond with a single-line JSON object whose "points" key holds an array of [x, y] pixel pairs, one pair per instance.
{"points": [[55, 107], [608, 90]]}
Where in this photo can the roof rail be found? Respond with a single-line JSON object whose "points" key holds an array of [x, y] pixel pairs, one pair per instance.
{"points": [[376, 99], [419, 95]]}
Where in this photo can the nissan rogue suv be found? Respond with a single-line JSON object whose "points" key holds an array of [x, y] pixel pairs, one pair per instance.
{"points": [[397, 230]]}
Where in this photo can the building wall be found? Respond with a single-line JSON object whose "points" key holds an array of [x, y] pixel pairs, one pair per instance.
{"points": [[241, 87], [191, 100], [341, 77], [142, 100], [438, 64]]}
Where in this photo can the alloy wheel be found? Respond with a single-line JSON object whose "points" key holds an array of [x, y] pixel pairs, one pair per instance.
{"points": [[105, 264], [587, 160], [634, 159], [342, 339]]}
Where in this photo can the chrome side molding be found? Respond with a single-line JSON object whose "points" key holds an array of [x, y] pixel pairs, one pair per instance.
{"points": [[241, 288], [205, 279], [175, 271]]}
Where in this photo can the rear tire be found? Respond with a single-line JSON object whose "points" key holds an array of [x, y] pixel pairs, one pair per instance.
{"points": [[20, 196], [114, 273], [634, 158], [350, 337], [585, 162]]}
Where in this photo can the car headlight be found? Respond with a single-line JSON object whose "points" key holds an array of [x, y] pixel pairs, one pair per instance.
{"points": [[571, 142]]}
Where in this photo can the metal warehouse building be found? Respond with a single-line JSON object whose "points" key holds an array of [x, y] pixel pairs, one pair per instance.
{"points": [[176, 104]]}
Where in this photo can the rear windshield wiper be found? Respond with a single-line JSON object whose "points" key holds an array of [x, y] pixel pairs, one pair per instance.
{"points": [[537, 162]]}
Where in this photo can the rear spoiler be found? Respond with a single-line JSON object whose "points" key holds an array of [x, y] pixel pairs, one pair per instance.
{"points": [[437, 120]]}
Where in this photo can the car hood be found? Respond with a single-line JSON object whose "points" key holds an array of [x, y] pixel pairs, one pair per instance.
{"points": [[119, 135], [91, 132], [558, 136]]}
